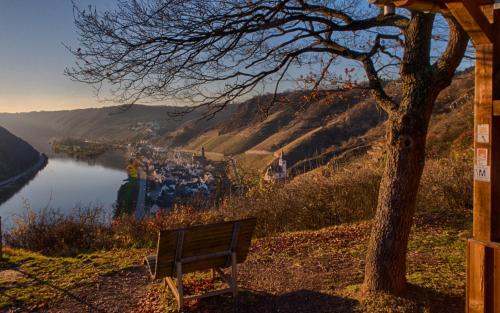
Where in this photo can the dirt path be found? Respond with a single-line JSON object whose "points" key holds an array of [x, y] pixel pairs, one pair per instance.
{"points": [[119, 293]]}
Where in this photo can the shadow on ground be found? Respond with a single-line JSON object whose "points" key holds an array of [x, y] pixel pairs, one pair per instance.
{"points": [[416, 300], [301, 301], [121, 292], [434, 301]]}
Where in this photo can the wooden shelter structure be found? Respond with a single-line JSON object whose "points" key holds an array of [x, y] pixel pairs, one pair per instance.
{"points": [[481, 20]]}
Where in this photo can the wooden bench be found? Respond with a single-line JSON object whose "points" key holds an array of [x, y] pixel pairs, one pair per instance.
{"points": [[199, 248]]}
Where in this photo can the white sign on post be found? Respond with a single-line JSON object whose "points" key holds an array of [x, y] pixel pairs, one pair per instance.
{"points": [[482, 173], [483, 133]]}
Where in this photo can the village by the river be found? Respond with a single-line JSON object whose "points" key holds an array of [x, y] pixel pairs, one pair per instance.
{"points": [[159, 178]]}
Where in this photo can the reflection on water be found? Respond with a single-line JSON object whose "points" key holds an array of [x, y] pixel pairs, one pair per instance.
{"points": [[113, 159], [67, 183]]}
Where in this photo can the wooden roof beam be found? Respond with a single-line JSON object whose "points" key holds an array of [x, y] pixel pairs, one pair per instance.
{"points": [[469, 14], [417, 5], [437, 2]]}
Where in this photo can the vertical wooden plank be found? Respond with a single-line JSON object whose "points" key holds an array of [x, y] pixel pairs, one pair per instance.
{"points": [[496, 279], [489, 259], [495, 187], [483, 110], [467, 279], [496, 57], [495, 181], [476, 277]]}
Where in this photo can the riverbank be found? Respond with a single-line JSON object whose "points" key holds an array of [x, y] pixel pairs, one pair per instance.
{"points": [[42, 161], [11, 186], [80, 148]]}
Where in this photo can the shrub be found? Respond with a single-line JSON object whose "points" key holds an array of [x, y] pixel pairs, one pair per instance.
{"points": [[310, 202], [446, 185], [54, 233]]}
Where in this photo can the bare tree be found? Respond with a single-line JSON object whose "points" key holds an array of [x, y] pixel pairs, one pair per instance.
{"points": [[213, 52]]}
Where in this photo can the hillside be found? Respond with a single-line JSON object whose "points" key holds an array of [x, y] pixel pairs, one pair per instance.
{"points": [[16, 155], [342, 126], [311, 133]]}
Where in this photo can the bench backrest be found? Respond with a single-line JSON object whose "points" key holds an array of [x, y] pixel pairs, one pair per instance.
{"points": [[203, 247]]}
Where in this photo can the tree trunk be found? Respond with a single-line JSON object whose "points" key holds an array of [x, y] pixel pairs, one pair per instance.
{"points": [[385, 268], [386, 259]]}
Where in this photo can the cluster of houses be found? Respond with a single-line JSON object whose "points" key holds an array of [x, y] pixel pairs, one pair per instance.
{"points": [[173, 175], [181, 177], [146, 127]]}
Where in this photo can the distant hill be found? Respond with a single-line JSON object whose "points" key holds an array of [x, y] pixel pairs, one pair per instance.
{"points": [[342, 125], [109, 123], [16, 155]]}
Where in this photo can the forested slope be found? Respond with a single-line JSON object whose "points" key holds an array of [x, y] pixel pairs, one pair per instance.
{"points": [[16, 155]]}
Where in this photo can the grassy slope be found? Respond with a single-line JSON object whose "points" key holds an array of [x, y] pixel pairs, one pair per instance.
{"points": [[311, 271]]}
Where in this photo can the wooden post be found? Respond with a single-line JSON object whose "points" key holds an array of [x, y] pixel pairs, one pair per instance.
{"points": [[483, 251]]}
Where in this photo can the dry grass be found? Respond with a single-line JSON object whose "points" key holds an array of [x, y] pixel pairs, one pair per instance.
{"points": [[40, 279], [310, 202]]}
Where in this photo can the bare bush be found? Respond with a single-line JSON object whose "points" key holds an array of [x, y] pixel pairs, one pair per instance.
{"points": [[310, 202], [53, 233], [446, 185]]}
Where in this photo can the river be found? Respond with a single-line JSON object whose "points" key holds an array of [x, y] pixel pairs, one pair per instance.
{"points": [[66, 183]]}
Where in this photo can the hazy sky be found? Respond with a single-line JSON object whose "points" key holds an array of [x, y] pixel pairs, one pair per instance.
{"points": [[32, 57]]}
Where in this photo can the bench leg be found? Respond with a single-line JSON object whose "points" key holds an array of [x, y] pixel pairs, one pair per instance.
{"points": [[180, 289], [234, 274]]}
